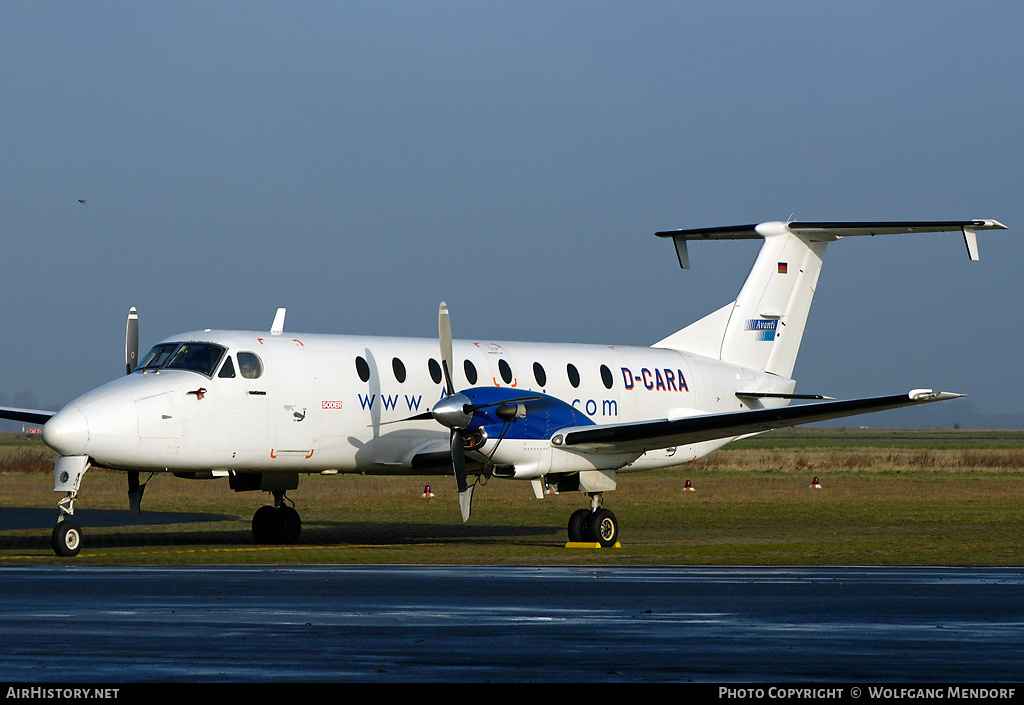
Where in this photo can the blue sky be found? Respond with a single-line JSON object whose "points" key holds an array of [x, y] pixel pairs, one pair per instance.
{"points": [[359, 162]]}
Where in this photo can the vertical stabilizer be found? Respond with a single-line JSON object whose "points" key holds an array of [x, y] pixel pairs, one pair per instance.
{"points": [[763, 327], [767, 322]]}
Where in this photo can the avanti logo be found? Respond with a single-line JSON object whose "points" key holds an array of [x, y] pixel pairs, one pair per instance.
{"points": [[763, 327]]}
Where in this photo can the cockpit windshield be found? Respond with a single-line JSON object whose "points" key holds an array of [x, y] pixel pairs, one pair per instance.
{"points": [[196, 357], [156, 357]]}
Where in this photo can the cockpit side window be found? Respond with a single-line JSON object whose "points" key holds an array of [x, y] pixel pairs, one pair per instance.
{"points": [[227, 370], [156, 357], [250, 365], [197, 357]]}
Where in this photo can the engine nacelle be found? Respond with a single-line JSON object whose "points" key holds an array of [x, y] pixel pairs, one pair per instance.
{"points": [[529, 459], [517, 437]]}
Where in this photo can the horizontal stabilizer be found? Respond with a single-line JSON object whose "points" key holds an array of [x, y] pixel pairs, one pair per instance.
{"points": [[653, 435], [827, 231]]}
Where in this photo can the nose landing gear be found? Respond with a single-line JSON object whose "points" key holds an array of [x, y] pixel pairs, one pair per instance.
{"points": [[66, 538]]}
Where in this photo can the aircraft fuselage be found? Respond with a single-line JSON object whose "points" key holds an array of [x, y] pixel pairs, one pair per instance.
{"points": [[322, 403]]}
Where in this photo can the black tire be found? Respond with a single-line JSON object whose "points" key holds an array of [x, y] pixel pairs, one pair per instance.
{"points": [[288, 525], [578, 525], [603, 528], [66, 538], [263, 524]]}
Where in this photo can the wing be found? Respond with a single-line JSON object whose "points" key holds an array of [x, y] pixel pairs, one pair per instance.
{"points": [[33, 416], [665, 433]]}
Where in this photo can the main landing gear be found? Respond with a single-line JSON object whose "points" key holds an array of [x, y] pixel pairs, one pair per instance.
{"points": [[594, 525], [277, 524]]}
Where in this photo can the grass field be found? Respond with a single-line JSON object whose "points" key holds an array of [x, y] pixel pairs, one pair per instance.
{"points": [[887, 498]]}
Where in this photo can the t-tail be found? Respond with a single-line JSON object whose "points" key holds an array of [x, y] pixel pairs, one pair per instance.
{"points": [[763, 327]]}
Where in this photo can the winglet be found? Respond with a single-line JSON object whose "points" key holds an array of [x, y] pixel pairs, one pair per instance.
{"points": [[971, 240], [684, 257], [970, 231]]}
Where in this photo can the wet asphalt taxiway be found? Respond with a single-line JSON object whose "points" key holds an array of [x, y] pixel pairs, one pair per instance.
{"points": [[510, 624]]}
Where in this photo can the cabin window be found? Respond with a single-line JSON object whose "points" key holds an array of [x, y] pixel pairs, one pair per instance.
{"points": [[399, 367], [506, 371], [574, 374], [250, 365], [539, 374], [470, 372], [362, 369], [197, 357], [606, 377], [435, 370], [227, 370]]}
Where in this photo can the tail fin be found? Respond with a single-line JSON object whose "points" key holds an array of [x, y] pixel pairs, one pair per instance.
{"points": [[764, 326]]}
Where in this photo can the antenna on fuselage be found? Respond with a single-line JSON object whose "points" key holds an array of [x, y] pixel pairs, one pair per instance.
{"points": [[278, 327]]}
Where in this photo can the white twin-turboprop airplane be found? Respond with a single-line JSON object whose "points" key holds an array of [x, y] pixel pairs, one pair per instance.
{"points": [[261, 408]]}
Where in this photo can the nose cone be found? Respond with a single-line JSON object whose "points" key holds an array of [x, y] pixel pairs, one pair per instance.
{"points": [[67, 431]]}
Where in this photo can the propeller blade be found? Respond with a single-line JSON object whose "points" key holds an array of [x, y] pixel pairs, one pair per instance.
{"points": [[425, 416], [466, 503], [459, 459], [444, 334], [131, 341], [459, 465]]}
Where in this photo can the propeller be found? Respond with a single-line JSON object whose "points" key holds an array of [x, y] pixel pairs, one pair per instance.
{"points": [[131, 359], [456, 411], [131, 341], [452, 412]]}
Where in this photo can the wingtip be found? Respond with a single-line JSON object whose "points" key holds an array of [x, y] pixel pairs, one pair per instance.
{"points": [[932, 395]]}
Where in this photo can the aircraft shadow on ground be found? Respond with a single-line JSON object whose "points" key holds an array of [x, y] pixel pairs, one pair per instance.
{"points": [[94, 521], [406, 533], [34, 518]]}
